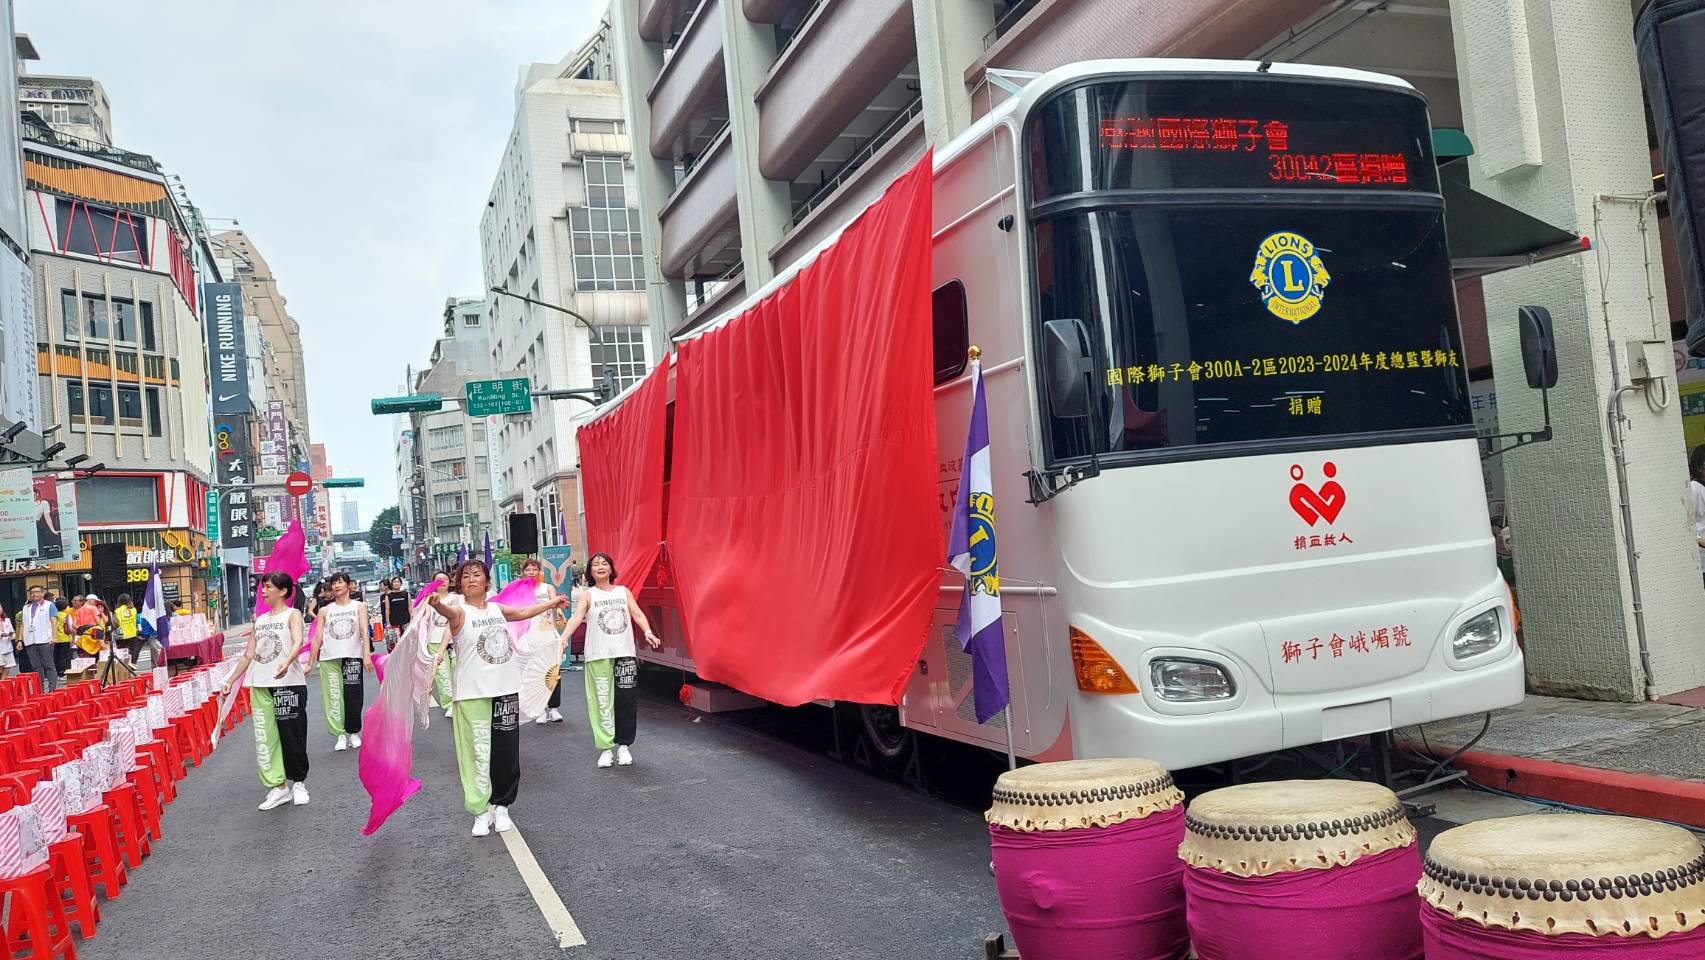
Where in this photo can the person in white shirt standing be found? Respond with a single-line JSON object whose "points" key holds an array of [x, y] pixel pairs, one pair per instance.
{"points": [[488, 696], [278, 694], [40, 621], [612, 665], [343, 643]]}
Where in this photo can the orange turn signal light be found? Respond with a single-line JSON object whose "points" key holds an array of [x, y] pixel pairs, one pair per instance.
{"points": [[1097, 671]]}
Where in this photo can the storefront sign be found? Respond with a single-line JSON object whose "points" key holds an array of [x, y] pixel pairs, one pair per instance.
{"points": [[226, 349], [237, 521], [18, 513]]}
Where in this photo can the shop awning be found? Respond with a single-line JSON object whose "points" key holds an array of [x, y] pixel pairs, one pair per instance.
{"points": [[1487, 235]]}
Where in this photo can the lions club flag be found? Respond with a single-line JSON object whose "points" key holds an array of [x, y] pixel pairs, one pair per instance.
{"points": [[971, 551], [153, 606]]}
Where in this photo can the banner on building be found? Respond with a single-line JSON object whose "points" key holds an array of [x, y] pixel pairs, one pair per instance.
{"points": [[18, 512], [50, 538], [18, 340], [556, 566], [275, 451], [70, 524], [237, 520], [226, 350]]}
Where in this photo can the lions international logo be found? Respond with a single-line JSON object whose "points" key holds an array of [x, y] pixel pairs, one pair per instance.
{"points": [[493, 646], [985, 570], [1290, 276], [269, 645]]}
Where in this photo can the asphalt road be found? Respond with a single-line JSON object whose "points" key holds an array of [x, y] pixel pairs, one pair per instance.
{"points": [[720, 842]]}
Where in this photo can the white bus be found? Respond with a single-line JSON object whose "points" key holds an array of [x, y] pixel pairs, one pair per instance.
{"points": [[1240, 498]]}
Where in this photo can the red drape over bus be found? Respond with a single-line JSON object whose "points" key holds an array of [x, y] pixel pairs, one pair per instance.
{"points": [[621, 478], [805, 539]]}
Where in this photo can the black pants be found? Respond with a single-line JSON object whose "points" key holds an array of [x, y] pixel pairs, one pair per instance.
{"points": [[40, 657], [290, 714], [505, 749], [62, 657], [627, 699], [354, 693], [556, 695]]}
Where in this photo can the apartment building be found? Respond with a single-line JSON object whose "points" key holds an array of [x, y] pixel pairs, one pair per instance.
{"points": [[562, 263]]}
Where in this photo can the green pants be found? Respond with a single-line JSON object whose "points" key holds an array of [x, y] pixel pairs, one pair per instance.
{"points": [[343, 693], [281, 733], [612, 700], [488, 751], [441, 692]]}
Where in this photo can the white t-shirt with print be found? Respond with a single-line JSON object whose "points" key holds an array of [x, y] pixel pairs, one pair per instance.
{"points": [[609, 628], [341, 624], [486, 662], [272, 644]]}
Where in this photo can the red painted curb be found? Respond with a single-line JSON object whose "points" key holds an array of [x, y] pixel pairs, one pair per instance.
{"points": [[1631, 794]]}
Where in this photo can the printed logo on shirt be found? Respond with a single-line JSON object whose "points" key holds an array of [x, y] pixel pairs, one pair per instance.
{"points": [[613, 616], [343, 626], [493, 646], [269, 642]]}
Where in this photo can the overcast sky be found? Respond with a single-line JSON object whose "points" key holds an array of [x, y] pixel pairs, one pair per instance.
{"points": [[356, 141]]}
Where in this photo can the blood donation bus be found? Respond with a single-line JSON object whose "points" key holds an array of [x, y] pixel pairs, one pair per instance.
{"points": [[1241, 503]]}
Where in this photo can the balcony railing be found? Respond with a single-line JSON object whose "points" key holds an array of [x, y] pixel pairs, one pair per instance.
{"points": [[845, 171], [35, 133]]}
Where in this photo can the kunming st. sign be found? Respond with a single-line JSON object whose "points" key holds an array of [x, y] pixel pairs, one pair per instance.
{"points": [[225, 348]]}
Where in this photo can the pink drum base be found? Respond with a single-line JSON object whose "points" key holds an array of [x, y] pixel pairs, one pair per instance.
{"points": [[1451, 939], [1365, 911], [1107, 893]]}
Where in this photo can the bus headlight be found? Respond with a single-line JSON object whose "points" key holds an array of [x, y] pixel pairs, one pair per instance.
{"points": [[1190, 681], [1477, 636]]}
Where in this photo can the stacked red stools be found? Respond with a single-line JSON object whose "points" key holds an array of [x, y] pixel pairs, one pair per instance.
{"points": [[35, 924]]}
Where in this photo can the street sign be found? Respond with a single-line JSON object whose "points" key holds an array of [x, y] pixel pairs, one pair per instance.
{"points": [[331, 483], [414, 403], [494, 398], [213, 515], [298, 484]]}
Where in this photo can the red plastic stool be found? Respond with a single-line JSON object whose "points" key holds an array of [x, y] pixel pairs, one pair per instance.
{"points": [[132, 836], [147, 798], [100, 849], [154, 752], [76, 893], [34, 920]]}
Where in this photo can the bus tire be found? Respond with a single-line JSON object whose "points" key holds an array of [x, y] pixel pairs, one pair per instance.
{"points": [[890, 743]]}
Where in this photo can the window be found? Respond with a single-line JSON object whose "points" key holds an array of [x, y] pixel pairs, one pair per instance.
{"points": [[619, 352], [952, 336], [126, 322], [118, 499], [597, 126], [130, 411], [449, 468], [443, 438], [482, 467], [470, 319], [97, 230], [607, 250], [447, 503]]}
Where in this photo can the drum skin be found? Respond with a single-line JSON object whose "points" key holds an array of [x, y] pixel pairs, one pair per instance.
{"points": [[1448, 938]]}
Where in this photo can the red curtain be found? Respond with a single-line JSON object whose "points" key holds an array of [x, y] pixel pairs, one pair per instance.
{"points": [[621, 479], [804, 536]]}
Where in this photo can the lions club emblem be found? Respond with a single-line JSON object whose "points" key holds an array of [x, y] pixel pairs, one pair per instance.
{"points": [[985, 570], [1290, 276], [493, 646]]}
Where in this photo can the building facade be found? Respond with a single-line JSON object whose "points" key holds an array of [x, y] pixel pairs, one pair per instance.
{"points": [[74, 107], [561, 229], [285, 372], [762, 125]]}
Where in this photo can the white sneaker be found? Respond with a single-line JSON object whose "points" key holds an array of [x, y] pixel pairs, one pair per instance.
{"points": [[482, 824], [504, 824], [355, 739], [449, 712], [623, 757], [299, 794], [342, 744], [605, 760], [555, 715], [275, 798], [542, 719]]}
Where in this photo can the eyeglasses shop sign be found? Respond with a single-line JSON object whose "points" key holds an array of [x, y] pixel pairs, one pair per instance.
{"points": [[225, 348]]}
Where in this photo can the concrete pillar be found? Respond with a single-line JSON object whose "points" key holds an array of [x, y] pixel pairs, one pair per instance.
{"points": [[950, 38], [1552, 100], [637, 65], [766, 209]]}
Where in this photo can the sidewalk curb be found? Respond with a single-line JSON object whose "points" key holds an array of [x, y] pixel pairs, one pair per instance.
{"points": [[1631, 794]]}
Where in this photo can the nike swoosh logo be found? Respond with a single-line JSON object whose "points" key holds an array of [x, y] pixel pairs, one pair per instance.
{"points": [[224, 397]]}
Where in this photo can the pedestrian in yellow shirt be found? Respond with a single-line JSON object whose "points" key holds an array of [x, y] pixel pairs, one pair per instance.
{"points": [[125, 616], [62, 632]]}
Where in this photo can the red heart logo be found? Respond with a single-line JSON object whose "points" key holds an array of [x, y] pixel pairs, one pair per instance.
{"points": [[1323, 504]]}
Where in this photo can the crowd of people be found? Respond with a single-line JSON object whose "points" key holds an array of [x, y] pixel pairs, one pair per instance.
{"points": [[477, 671], [51, 631]]}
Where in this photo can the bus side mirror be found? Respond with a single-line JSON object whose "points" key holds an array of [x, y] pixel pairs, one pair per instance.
{"points": [[1538, 349], [1065, 367]]}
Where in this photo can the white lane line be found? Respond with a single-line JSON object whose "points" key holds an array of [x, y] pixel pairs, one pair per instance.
{"points": [[556, 914]]}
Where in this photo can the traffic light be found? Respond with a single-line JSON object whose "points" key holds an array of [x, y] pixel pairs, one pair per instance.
{"points": [[413, 403]]}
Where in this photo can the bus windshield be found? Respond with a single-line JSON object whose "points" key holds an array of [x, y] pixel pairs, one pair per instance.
{"points": [[1220, 326]]}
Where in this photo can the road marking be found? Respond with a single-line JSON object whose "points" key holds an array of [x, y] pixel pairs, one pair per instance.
{"points": [[556, 914]]}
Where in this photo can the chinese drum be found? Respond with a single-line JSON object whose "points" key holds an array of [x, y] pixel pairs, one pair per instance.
{"points": [[1302, 870], [1564, 885], [1086, 860]]}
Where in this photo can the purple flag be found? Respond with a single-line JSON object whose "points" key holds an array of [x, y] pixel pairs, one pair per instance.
{"points": [[971, 551], [488, 549]]}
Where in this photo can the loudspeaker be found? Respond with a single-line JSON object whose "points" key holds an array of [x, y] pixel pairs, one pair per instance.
{"points": [[523, 533], [108, 573]]}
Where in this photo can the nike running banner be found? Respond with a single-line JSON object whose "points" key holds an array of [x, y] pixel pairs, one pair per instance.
{"points": [[804, 531]]}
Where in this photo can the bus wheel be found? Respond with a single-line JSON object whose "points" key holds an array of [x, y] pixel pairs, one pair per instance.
{"points": [[890, 744]]}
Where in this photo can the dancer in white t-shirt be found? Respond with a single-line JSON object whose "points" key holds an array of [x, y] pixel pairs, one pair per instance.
{"points": [[612, 668], [487, 690], [343, 644], [278, 694]]}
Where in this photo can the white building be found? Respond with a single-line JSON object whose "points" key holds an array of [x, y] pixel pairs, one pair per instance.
{"points": [[561, 228]]}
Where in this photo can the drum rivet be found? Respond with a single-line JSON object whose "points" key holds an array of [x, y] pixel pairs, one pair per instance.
{"points": [[1556, 886], [1572, 886], [1524, 883], [1646, 878], [1550, 895]]}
